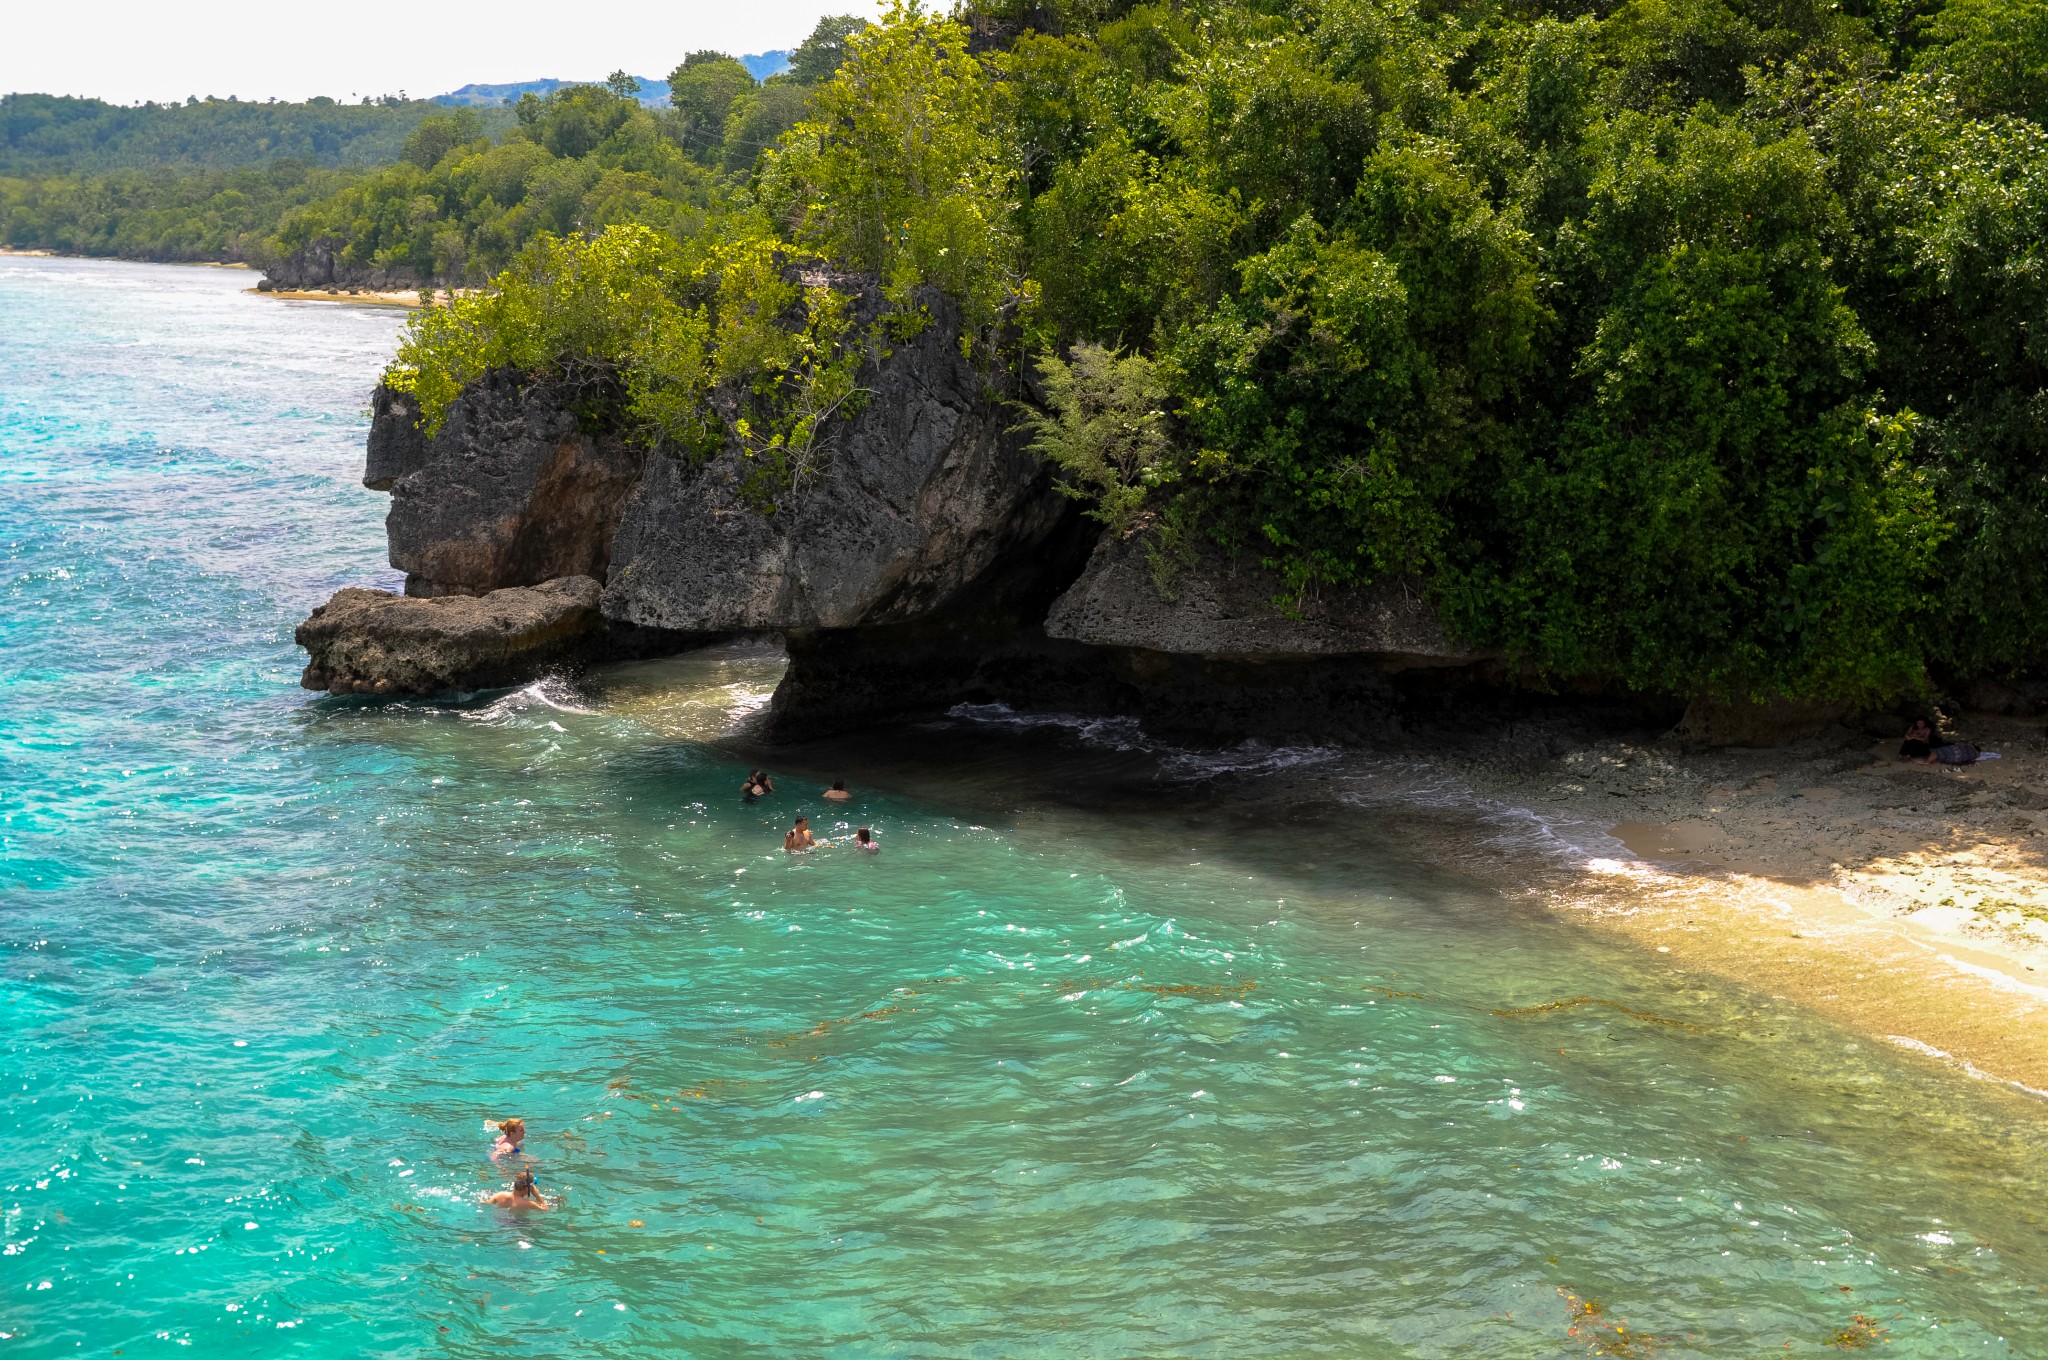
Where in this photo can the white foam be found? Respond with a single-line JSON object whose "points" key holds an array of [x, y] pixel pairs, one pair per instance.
{"points": [[550, 692], [1251, 757]]}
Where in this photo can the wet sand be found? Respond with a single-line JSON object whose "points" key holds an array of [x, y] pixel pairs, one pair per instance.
{"points": [[1907, 901]]}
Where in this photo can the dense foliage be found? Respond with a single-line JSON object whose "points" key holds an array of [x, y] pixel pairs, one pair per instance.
{"points": [[44, 134], [1692, 345], [436, 196], [214, 215]]}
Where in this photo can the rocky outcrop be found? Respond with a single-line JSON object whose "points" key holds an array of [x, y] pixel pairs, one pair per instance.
{"points": [[397, 446], [1214, 607], [1772, 722], [375, 642], [519, 486], [922, 491], [320, 266]]}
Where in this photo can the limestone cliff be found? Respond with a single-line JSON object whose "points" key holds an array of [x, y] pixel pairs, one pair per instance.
{"points": [[926, 560]]}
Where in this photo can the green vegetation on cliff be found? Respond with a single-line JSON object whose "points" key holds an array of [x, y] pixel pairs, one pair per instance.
{"points": [[1691, 345]]}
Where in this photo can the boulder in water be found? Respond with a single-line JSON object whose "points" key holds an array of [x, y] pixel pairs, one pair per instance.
{"points": [[375, 642]]}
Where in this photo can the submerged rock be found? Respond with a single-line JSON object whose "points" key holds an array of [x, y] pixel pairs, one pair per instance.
{"points": [[1219, 608], [922, 491], [375, 642], [514, 489]]}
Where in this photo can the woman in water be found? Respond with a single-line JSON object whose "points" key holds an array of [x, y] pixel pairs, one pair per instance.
{"points": [[758, 785], [524, 1194], [837, 793], [865, 840], [511, 1138]]}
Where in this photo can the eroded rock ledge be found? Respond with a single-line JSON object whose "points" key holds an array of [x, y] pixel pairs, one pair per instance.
{"points": [[375, 642], [1214, 607]]}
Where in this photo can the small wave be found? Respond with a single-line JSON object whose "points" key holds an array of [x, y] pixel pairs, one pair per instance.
{"points": [[550, 692], [1252, 757], [1113, 734], [1912, 1045]]}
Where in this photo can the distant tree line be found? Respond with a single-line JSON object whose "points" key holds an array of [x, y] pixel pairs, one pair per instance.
{"points": [[443, 197]]}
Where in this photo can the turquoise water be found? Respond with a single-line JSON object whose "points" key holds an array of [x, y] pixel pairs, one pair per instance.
{"points": [[1105, 1054]]}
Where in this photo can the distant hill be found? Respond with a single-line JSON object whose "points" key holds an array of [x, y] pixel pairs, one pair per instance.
{"points": [[653, 93], [43, 134]]}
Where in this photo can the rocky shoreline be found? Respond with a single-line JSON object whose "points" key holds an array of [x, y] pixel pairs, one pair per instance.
{"points": [[920, 557]]}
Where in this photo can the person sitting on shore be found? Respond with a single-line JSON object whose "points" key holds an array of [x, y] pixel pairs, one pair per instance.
{"points": [[1919, 742], [511, 1138], [865, 840], [799, 837], [837, 793], [524, 1194]]}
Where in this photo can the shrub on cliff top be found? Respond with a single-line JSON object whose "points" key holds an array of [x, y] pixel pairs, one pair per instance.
{"points": [[668, 323]]}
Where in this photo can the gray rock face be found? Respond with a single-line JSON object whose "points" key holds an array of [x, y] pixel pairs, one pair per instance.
{"points": [[511, 492], [1221, 609], [925, 489], [374, 642], [397, 448], [318, 266]]}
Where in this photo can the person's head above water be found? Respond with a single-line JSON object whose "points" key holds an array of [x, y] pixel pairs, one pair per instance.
{"points": [[801, 823], [522, 1184], [513, 1131], [863, 836], [840, 785]]}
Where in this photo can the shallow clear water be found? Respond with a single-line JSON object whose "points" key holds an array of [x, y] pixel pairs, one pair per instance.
{"points": [[1097, 1057]]}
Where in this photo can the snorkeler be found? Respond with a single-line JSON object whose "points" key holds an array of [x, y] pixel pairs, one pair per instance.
{"points": [[511, 1137], [799, 837], [864, 839], [524, 1194]]}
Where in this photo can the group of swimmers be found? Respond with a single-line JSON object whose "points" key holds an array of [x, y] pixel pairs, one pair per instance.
{"points": [[524, 1194], [799, 838]]}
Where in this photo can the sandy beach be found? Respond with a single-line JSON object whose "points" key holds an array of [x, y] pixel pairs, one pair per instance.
{"points": [[1907, 901], [359, 297]]}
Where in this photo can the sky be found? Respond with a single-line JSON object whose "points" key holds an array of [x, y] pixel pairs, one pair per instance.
{"points": [[127, 51]]}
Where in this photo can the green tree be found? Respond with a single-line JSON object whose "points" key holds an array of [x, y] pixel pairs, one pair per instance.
{"points": [[817, 58]]}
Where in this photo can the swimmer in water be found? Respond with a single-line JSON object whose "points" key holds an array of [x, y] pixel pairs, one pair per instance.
{"points": [[837, 793], [511, 1137], [524, 1194], [865, 840], [799, 837]]}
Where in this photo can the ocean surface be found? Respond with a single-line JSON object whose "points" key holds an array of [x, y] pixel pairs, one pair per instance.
{"points": [[1110, 1051]]}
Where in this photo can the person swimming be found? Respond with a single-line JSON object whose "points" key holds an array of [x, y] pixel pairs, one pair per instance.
{"points": [[511, 1138], [524, 1194], [758, 786], [837, 793], [799, 837], [865, 840]]}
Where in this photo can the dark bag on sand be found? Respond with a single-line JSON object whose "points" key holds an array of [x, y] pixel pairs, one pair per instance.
{"points": [[1958, 753]]}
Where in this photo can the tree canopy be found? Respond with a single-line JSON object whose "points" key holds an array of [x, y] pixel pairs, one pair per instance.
{"points": [[1693, 346]]}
